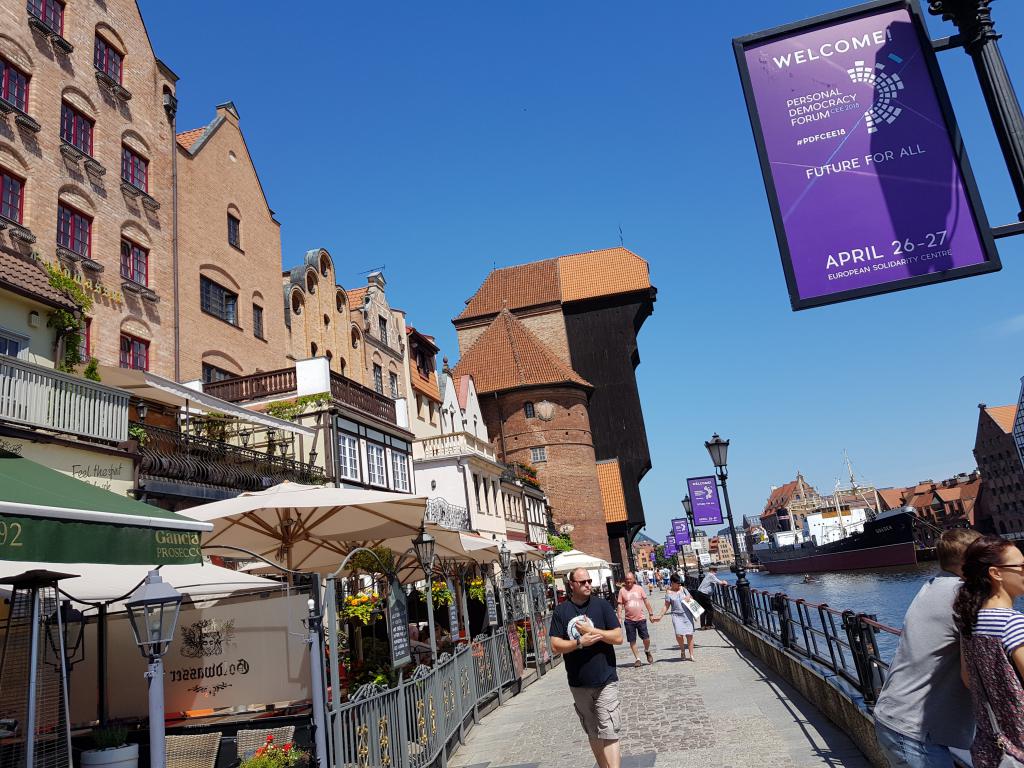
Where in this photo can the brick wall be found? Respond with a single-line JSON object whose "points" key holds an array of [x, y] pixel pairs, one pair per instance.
{"points": [[569, 475], [548, 326], [140, 123], [219, 180]]}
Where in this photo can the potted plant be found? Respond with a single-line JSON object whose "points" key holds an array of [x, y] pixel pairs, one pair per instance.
{"points": [[112, 749], [272, 755]]}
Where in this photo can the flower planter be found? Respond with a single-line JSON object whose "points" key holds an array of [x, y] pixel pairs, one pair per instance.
{"points": [[114, 757]]}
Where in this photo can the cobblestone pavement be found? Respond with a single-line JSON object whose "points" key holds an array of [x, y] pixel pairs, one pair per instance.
{"points": [[725, 710]]}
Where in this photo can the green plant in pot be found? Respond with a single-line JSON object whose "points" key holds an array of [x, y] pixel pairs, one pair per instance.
{"points": [[112, 748]]}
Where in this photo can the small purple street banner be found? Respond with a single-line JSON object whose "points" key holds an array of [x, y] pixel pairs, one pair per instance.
{"points": [[707, 509], [867, 179], [681, 531], [670, 546]]}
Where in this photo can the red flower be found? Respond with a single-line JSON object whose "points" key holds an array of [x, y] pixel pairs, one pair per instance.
{"points": [[270, 737], [287, 747]]}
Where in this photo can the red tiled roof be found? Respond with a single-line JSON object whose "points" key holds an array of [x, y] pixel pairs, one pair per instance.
{"points": [[574, 277], [892, 498], [355, 297], [27, 278], [508, 356], [187, 138], [1003, 415]]}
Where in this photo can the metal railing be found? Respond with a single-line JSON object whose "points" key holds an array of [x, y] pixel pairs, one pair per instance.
{"points": [[42, 397], [447, 515], [842, 642], [412, 723], [169, 454]]}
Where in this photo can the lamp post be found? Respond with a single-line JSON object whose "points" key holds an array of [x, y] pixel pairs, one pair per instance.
{"points": [[549, 558], [688, 507], [153, 613], [973, 19], [65, 630], [719, 450], [424, 545]]}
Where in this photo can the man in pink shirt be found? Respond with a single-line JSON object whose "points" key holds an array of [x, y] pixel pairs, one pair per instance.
{"points": [[632, 601]]}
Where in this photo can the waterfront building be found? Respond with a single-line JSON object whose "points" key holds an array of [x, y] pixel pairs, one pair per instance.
{"points": [[86, 169], [950, 503], [231, 318], [720, 549], [643, 552], [788, 505], [997, 451], [572, 409]]}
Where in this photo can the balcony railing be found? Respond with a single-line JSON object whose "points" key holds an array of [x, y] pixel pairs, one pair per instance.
{"points": [[42, 397], [353, 394], [253, 387], [455, 444], [441, 512], [171, 455]]}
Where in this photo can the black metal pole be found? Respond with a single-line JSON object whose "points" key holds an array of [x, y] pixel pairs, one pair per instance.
{"points": [[742, 585], [973, 18], [693, 541]]}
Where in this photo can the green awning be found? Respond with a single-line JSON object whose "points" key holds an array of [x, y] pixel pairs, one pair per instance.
{"points": [[47, 516]]}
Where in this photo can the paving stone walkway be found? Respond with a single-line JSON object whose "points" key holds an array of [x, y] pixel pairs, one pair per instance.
{"points": [[725, 710]]}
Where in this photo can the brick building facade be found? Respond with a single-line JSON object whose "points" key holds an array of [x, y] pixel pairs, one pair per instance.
{"points": [[86, 147], [1002, 494], [229, 258]]}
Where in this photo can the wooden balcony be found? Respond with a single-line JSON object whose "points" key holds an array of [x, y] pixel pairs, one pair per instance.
{"points": [[35, 396], [362, 398], [253, 387], [284, 381], [170, 455]]}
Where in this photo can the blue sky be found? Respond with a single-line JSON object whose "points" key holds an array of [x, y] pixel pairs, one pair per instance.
{"points": [[441, 139]]}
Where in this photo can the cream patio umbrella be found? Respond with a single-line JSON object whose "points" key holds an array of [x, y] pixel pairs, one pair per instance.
{"points": [[309, 527]]}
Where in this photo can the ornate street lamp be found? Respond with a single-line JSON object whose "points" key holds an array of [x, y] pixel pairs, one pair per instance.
{"points": [[719, 451], [153, 613], [141, 410], [424, 545]]}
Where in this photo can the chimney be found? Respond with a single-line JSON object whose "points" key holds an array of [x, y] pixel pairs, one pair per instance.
{"points": [[376, 279]]}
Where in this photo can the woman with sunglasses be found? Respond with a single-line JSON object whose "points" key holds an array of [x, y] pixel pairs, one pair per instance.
{"points": [[992, 647]]}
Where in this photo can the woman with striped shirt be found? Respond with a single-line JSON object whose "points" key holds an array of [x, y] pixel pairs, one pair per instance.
{"points": [[992, 647]]}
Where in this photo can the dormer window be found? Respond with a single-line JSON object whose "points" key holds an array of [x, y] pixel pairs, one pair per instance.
{"points": [[50, 12], [134, 169], [108, 60], [13, 85]]}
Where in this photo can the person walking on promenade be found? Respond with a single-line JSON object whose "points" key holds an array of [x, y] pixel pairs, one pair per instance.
{"points": [[920, 710], [584, 630], [682, 620], [992, 648], [703, 597], [632, 601]]}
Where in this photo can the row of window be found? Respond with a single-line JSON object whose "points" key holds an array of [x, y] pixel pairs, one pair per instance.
{"points": [[376, 463], [216, 300], [134, 352], [105, 57], [378, 381]]}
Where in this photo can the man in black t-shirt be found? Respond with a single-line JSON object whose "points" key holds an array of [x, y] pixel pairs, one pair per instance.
{"points": [[584, 630]]}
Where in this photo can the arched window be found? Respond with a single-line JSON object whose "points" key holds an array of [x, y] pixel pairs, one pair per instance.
{"points": [[313, 349], [528, 410]]}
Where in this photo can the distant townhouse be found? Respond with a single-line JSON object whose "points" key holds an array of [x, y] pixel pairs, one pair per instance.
{"points": [[950, 503], [86, 155], [552, 347], [788, 505]]}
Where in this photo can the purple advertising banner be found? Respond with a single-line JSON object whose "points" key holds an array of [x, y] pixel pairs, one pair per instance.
{"points": [[707, 509], [867, 179], [670, 546], [681, 531]]}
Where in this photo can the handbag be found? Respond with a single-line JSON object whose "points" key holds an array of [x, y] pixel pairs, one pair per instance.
{"points": [[1007, 760]]}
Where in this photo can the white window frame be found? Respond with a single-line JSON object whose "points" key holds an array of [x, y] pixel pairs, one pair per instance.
{"points": [[371, 477], [538, 454], [348, 457], [20, 340], [400, 470]]}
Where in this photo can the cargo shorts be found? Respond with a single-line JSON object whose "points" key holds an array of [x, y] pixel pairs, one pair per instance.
{"points": [[598, 710]]}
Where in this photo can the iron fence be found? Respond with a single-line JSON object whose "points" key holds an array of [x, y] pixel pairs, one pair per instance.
{"points": [[842, 642]]}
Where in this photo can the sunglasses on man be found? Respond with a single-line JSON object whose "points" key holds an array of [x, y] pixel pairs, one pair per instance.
{"points": [[582, 581]]}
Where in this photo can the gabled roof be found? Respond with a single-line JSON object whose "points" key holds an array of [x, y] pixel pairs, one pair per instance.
{"points": [[27, 278], [1003, 415], [355, 297], [507, 356], [892, 498], [186, 139], [575, 277]]}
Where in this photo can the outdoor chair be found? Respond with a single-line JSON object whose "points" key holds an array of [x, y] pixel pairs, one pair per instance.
{"points": [[197, 750], [247, 742]]}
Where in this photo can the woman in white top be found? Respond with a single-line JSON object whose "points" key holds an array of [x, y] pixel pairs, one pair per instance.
{"points": [[682, 620]]}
